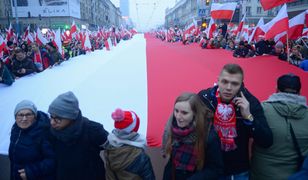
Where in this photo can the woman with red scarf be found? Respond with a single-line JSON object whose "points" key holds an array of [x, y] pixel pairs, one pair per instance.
{"points": [[190, 142]]}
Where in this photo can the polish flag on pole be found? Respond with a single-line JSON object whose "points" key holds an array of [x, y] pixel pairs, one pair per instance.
{"points": [[2, 46], [73, 28], [29, 39], [58, 41], [87, 44], [257, 30], [9, 33], [26, 33], [210, 29], [277, 25], [222, 11], [240, 26], [281, 37], [269, 4], [296, 26], [40, 38]]}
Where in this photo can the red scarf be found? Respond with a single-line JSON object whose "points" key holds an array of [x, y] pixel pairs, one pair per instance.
{"points": [[225, 124]]}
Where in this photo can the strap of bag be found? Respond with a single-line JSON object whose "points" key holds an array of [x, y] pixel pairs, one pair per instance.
{"points": [[297, 148]]}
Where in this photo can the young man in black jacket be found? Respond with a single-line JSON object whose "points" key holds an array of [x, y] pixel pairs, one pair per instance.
{"points": [[238, 116]]}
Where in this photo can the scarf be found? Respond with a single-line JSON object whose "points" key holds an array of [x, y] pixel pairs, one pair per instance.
{"points": [[119, 138], [184, 154], [225, 124], [37, 58], [71, 133]]}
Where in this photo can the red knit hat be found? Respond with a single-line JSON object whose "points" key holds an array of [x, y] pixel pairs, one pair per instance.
{"points": [[127, 121]]}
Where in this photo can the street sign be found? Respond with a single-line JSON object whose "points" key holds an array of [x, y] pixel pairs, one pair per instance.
{"points": [[201, 12]]}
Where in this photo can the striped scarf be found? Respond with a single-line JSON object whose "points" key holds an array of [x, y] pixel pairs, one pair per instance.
{"points": [[184, 154]]}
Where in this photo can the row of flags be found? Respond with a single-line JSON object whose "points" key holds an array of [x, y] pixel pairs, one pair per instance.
{"points": [[280, 28], [57, 37]]}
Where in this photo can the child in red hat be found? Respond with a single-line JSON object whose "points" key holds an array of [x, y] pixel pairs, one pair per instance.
{"points": [[124, 151]]}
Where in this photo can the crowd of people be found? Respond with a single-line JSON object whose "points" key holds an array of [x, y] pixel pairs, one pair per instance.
{"points": [[20, 57], [221, 133], [240, 46]]}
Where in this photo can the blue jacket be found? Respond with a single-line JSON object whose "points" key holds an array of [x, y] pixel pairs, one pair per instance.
{"points": [[30, 150], [303, 173]]}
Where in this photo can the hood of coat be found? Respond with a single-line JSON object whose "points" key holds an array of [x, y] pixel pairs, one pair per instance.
{"points": [[289, 105]]}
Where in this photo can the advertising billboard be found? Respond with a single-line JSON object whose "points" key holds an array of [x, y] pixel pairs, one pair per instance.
{"points": [[46, 8]]}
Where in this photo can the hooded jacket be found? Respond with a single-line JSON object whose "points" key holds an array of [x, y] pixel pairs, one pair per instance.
{"points": [[281, 159]]}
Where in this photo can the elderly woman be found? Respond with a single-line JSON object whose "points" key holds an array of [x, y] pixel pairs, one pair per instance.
{"points": [[191, 142], [30, 153]]}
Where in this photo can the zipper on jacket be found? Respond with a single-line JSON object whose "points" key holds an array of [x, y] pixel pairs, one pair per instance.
{"points": [[15, 144]]}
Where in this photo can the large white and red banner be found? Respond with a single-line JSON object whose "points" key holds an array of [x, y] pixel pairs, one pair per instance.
{"points": [[223, 11]]}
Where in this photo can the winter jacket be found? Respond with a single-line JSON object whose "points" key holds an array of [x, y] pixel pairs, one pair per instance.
{"points": [[213, 163], [281, 160], [241, 52], [6, 76], [303, 173], [30, 150], [128, 163], [79, 159], [26, 64], [237, 161]]}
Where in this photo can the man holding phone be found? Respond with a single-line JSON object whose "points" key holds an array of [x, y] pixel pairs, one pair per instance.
{"points": [[238, 117]]}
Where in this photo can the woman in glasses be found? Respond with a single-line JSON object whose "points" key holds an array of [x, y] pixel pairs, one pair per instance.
{"points": [[31, 155]]}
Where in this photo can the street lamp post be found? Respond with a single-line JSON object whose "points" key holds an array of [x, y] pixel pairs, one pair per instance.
{"points": [[16, 16]]}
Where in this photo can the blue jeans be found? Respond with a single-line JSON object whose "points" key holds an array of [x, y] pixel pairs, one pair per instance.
{"points": [[241, 176]]}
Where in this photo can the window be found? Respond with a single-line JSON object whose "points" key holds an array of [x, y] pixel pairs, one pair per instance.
{"points": [[248, 10], [269, 12], [259, 10]]}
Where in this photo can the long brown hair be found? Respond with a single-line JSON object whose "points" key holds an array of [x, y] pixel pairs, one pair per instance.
{"points": [[201, 122]]}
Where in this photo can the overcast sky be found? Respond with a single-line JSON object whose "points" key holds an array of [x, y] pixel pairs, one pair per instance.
{"points": [[147, 14]]}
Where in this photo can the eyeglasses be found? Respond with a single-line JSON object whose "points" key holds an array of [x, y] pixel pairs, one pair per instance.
{"points": [[58, 120], [28, 115]]}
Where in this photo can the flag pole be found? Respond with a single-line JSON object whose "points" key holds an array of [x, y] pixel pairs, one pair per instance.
{"points": [[229, 23], [288, 50]]}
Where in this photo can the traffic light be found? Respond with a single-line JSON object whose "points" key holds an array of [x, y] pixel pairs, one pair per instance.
{"points": [[203, 24]]}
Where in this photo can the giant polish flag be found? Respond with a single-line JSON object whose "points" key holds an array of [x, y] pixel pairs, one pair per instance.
{"points": [[101, 80], [277, 25], [296, 26], [269, 4], [222, 11]]}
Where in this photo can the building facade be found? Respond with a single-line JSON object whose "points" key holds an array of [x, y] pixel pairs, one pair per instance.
{"points": [[182, 14], [85, 13], [124, 7], [185, 11]]}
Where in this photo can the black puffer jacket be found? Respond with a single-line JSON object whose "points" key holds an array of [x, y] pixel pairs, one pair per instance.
{"points": [[237, 161], [30, 150]]}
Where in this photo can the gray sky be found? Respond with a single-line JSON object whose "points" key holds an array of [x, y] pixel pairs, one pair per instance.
{"points": [[147, 14]]}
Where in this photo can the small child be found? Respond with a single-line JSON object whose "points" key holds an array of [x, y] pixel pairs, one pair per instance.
{"points": [[124, 151]]}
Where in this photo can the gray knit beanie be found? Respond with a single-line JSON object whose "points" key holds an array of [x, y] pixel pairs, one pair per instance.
{"points": [[65, 106], [25, 104]]}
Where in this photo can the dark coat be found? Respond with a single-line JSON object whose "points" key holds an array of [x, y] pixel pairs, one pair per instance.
{"points": [[80, 159], [26, 63], [6, 76], [30, 150], [213, 163], [241, 52], [237, 161]]}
